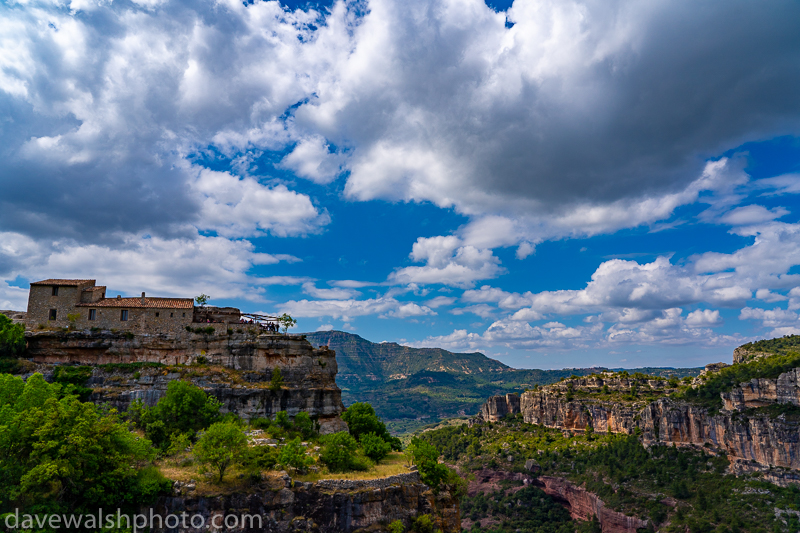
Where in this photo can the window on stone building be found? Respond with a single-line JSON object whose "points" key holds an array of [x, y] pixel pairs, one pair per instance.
{"points": [[184, 315], [55, 291], [123, 315], [171, 315], [92, 314], [53, 314], [156, 314]]}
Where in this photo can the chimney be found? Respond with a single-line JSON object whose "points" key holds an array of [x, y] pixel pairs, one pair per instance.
{"points": [[119, 296], [142, 297]]}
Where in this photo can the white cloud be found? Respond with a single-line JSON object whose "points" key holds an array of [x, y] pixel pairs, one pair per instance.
{"points": [[312, 159], [752, 214], [482, 310], [781, 321], [347, 309], [439, 301], [235, 207], [325, 327], [328, 294]]}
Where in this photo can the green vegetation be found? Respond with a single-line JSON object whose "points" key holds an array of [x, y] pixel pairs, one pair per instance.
{"points": [[184, 410], [73, 379], [708, 393], [202, 300], [12, 344], [361, 419], [59, 454], [293, 455], [413, 388], [285, 321], [780, 345], [221, 445], [685, 488], [276, 383], [339, 453]]}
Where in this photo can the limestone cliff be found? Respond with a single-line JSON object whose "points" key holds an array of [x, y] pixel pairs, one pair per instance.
{"points": [[236, 368], [282, 505], [752, 440]]}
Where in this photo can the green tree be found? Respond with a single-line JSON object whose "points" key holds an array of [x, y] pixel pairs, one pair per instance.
{"points": [[293, 454], [361, 419], [58, 452], [276, 383], [304, 424], [282, 420], [202, 300], [185, 408], [286, 322], [339, 453], [12, 337], [396, 527], [375, 447], [221, 445]]}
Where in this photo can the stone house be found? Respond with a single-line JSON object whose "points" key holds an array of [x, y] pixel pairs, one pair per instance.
{"points": [[82, 304]]}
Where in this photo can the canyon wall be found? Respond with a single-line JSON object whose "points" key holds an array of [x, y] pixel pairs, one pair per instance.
{"points": [[236, 368], [751, 440], [327, 506]]}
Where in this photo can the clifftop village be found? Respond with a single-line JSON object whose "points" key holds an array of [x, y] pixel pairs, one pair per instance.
{"points": [[81, 304]]}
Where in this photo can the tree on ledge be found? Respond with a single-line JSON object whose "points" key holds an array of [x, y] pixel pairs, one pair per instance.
{"points": [[202, 300], [286, 322]]}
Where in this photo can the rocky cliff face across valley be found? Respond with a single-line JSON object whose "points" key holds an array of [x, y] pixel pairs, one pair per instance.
{"points": [[752, 440], [282, 505], [235, 368]]}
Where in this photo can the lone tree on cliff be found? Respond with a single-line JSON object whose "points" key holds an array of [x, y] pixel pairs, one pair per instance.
{"points": [[202, 300], [286, 322], [220, 446]]}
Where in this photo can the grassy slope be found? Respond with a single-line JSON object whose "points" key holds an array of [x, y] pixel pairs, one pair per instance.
{"points": [[414, 387]]}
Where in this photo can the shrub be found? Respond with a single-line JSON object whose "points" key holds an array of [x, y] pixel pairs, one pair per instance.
{"points": [[339, 453], [220, 446], [422, 524], [282, 420], [396, 527], [304, 425], [276, 383], [12, 337], [293, 454], [375, 447], [361, 419]]}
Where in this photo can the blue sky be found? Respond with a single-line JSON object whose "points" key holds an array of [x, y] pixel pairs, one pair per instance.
{"points": [[554, 184]]}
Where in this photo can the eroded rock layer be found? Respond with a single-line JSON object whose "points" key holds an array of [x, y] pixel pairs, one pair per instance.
{"points": [[280, 505], [236, 368]]}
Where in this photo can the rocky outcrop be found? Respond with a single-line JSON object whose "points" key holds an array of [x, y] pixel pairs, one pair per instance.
{"points": [[763, 392], [235, 368], [745, 437], [282, 505], [496, 407], [745, 355], [583, 505]]}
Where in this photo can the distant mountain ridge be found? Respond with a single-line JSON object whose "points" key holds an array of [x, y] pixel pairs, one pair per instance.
{"points": [[414, 387]]}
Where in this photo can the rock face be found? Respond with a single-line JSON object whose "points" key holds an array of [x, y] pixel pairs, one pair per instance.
{"points": [[584, 505], [496, 407], [242, 382], [281, 505], [755, 440]]}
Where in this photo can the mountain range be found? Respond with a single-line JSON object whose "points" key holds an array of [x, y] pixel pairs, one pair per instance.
{"points": [[414, 387]]}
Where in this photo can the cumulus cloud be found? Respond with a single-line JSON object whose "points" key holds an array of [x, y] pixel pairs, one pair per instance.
{"points": [[752, 214], [328, 294], [781, 321], [347, 309], [448, 262]]}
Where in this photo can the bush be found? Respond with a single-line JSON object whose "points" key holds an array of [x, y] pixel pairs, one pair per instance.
{"points": [[361, 419], [12, 337], [339, 453], [396, 527], [282, 420], [375, 447], [293, 455], [221, 445], [422, 524], [304, 425], [276, 383], [185, 409]]}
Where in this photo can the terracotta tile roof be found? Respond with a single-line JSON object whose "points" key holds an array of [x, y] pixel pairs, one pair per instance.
{"points": [[63, 282], [151, 303]]}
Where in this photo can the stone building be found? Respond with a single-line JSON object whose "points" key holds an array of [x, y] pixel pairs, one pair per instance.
{"points": [[81, 304]]}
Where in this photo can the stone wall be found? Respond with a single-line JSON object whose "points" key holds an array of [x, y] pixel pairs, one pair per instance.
{"points": [[41, 301]]}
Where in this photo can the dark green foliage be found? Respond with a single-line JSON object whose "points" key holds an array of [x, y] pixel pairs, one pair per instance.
{"points": [[282, 420], [293, 454], [436, 475], [708, 394], [422, 524], [12, 337], [303, 424], [73, 379], [260, 423], [59, 454], [185, 409], [374, 447], [361, 419], [276, 383], [339, 453], [527, 509]]}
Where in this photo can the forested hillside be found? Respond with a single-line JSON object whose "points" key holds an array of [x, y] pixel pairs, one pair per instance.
{"points": [[414, 387]]}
